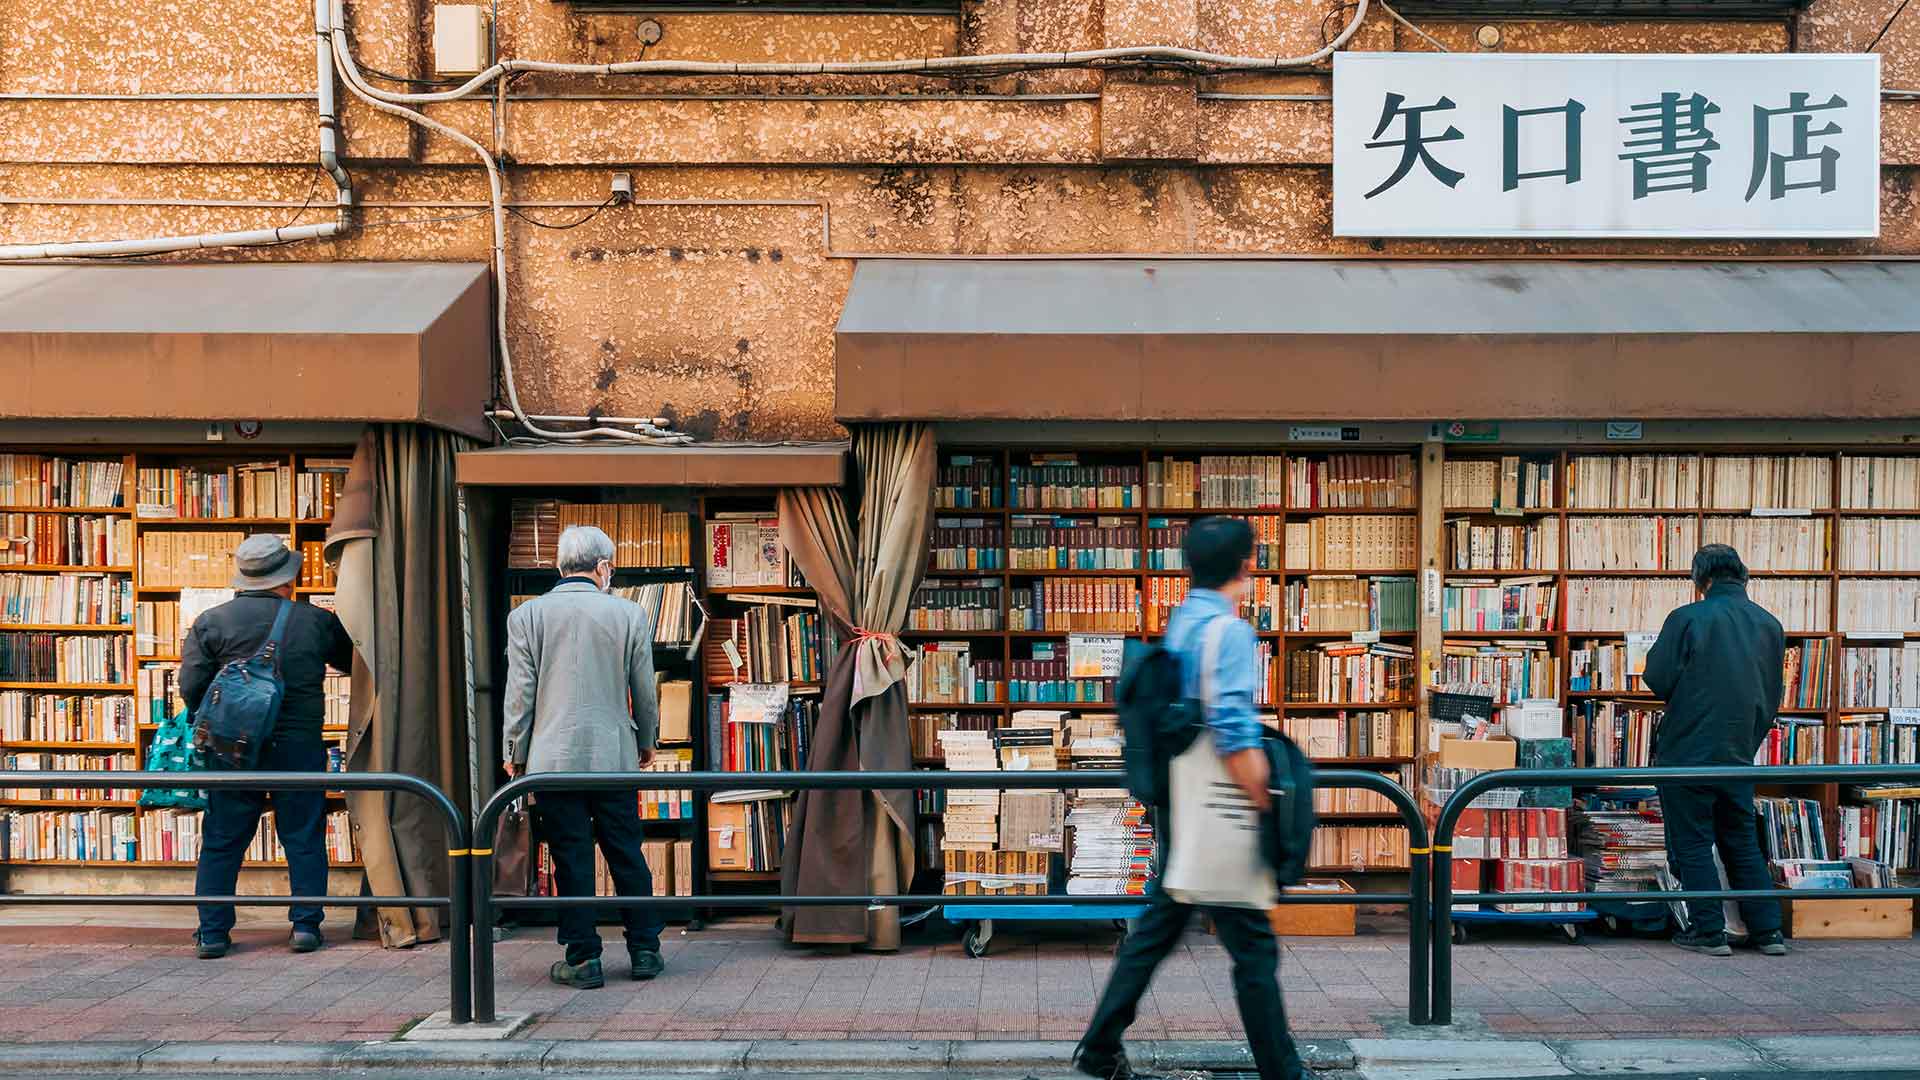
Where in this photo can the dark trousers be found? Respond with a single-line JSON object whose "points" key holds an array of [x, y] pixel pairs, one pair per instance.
{"points": [[1256, 988], [571, 822], [1699, 818], [233, 818]]}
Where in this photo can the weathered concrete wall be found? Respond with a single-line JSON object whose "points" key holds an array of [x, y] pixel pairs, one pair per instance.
{"points": [[716, 304]]}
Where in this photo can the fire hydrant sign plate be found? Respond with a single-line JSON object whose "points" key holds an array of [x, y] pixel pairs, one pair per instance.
{"points": [[1591, 145]]}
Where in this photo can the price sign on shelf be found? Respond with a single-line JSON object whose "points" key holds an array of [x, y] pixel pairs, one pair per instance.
{"points": [[1095, 656]]}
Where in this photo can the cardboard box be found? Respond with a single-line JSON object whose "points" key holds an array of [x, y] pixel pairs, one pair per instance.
{"points": [[727, 846], [1535, 719], [1314, 920], [1494, 753], [676, 711]]}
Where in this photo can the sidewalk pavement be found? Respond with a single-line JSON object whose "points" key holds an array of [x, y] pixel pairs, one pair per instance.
{"points": [[95, 982]]}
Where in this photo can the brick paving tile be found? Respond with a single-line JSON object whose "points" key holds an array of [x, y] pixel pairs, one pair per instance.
{"points": [[741, 982]]}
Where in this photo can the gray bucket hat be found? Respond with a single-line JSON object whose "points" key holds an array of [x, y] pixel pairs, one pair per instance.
{"points": [[263, 561]]}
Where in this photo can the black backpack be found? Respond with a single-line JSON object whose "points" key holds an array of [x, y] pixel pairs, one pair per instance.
{"points": [[1287, 832]]}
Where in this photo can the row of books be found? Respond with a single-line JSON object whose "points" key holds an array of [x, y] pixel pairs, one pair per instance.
{"points": [[41, 657], [1768, 481], [32, 716], [1688, 481], [770, 644], [1632, 543], [1884, 830], [671, 609], [1794, 740], [1880, 740], [1379, 673], [1039, 542], [956, 604], [182, 558], [1050, 680], [1791, 828], [46, 762], [1353, 542], [1615, 666], [1509, 672], [315, 571], [1886, 604], [1065, 604], [968, 544], [1640, 604], [1879, 483], [156, 691], [1360, 847], [45, 480], [1386, 604], [1355, 734], [966, 482], [66, 599], [1513, 604], [924, 730], [1216, 481], [1354, 800], [669, 865], [755, 738], [1880, 677], [1633, 481], [336, 695], [747, 831], [1061, 482], [1878, 544], [253, 489], [1771, 544], [1531, 545], [1616, 734], [156, 836], [643, 534], [65, 540], [1806, 677], [946, 673], [157, 629], [1511, 482], [1351, 480]]}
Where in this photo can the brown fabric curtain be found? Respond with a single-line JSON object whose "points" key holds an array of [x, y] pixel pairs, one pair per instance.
{"points": [[395, 538], [852, 842]]}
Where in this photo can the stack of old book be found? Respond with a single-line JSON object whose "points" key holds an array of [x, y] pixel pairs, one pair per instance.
{"points": [[1111, 839], [972, 817], [1622, 837]]}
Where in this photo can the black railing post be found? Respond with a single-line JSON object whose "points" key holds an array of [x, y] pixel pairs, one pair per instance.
{"points": [[1419, 925]]}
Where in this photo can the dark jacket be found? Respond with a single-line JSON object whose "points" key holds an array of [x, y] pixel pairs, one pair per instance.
{"points": [[1717, 666], [313, 640]]}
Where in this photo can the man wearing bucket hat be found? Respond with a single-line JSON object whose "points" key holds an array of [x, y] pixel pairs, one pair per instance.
{"points": [[263, 576]]}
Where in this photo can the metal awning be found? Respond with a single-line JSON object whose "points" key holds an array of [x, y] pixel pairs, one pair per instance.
{"points": [[1378, 340], [700, 465], [277, 341]]}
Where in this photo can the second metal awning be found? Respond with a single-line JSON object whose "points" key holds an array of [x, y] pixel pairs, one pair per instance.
{"points": [[1199, 339]]}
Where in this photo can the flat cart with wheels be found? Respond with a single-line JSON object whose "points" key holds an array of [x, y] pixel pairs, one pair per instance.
{"points": [[978, 919], [1573, 924]]}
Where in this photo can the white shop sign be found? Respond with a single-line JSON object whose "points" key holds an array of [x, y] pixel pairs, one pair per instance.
{"points": [[1585, 145]]}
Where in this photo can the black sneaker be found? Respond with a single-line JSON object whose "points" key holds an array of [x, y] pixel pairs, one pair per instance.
{"points": [[586, 976], [647, 964], [305, 941], [211, 948], [1771, 943], [1714, 944], [1112, 1066]]}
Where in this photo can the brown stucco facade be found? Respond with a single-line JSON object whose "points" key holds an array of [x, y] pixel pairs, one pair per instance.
{"points": [[713, 299]]}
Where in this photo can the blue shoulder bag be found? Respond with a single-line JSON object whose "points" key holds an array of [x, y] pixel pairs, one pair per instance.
{"points": [[235, 720]]}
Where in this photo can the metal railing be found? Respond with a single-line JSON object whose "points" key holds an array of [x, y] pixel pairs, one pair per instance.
{"points": [[459, 929], [485, 904], [1444, 897]]}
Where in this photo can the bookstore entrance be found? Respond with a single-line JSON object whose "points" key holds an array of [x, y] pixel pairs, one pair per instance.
{"points": [[1476, 486], [152, 418]]}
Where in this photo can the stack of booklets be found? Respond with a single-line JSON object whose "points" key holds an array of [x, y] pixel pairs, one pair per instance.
{"points": [[1622, 837], [972, 818], [1111, 839]]}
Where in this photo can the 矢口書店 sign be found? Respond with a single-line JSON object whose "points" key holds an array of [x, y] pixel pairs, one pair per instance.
{"points": [[1431, 144]]}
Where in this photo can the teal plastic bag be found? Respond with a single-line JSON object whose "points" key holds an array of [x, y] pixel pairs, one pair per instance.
{"points": [[172, 751]]}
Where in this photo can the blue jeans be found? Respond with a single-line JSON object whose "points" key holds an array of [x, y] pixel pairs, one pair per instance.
{"points": [[232, 819]]}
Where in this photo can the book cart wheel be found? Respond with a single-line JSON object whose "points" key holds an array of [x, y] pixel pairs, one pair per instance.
{"points": [[1459, 933], [977, 937], [1576, 932]]}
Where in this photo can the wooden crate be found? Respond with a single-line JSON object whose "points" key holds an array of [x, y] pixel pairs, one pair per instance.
{"points": [[1860, 918], [1314, 920]]}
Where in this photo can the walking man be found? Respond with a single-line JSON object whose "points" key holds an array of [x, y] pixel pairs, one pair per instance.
{"points": [[1717, 664], [1219, 551], [580, 698], [313, 640]]}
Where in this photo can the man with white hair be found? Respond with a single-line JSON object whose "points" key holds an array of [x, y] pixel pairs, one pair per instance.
{"points": [[580, 698]]}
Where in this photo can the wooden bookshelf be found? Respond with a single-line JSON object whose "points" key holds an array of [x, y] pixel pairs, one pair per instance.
{"points": [[142, 522], [1828, 510]]}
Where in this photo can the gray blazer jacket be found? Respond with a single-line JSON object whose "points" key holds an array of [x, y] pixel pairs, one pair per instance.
{"points": [[580, 695]]}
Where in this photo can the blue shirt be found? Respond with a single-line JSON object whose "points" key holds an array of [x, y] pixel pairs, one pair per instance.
{"points": [[1231, 713]]}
